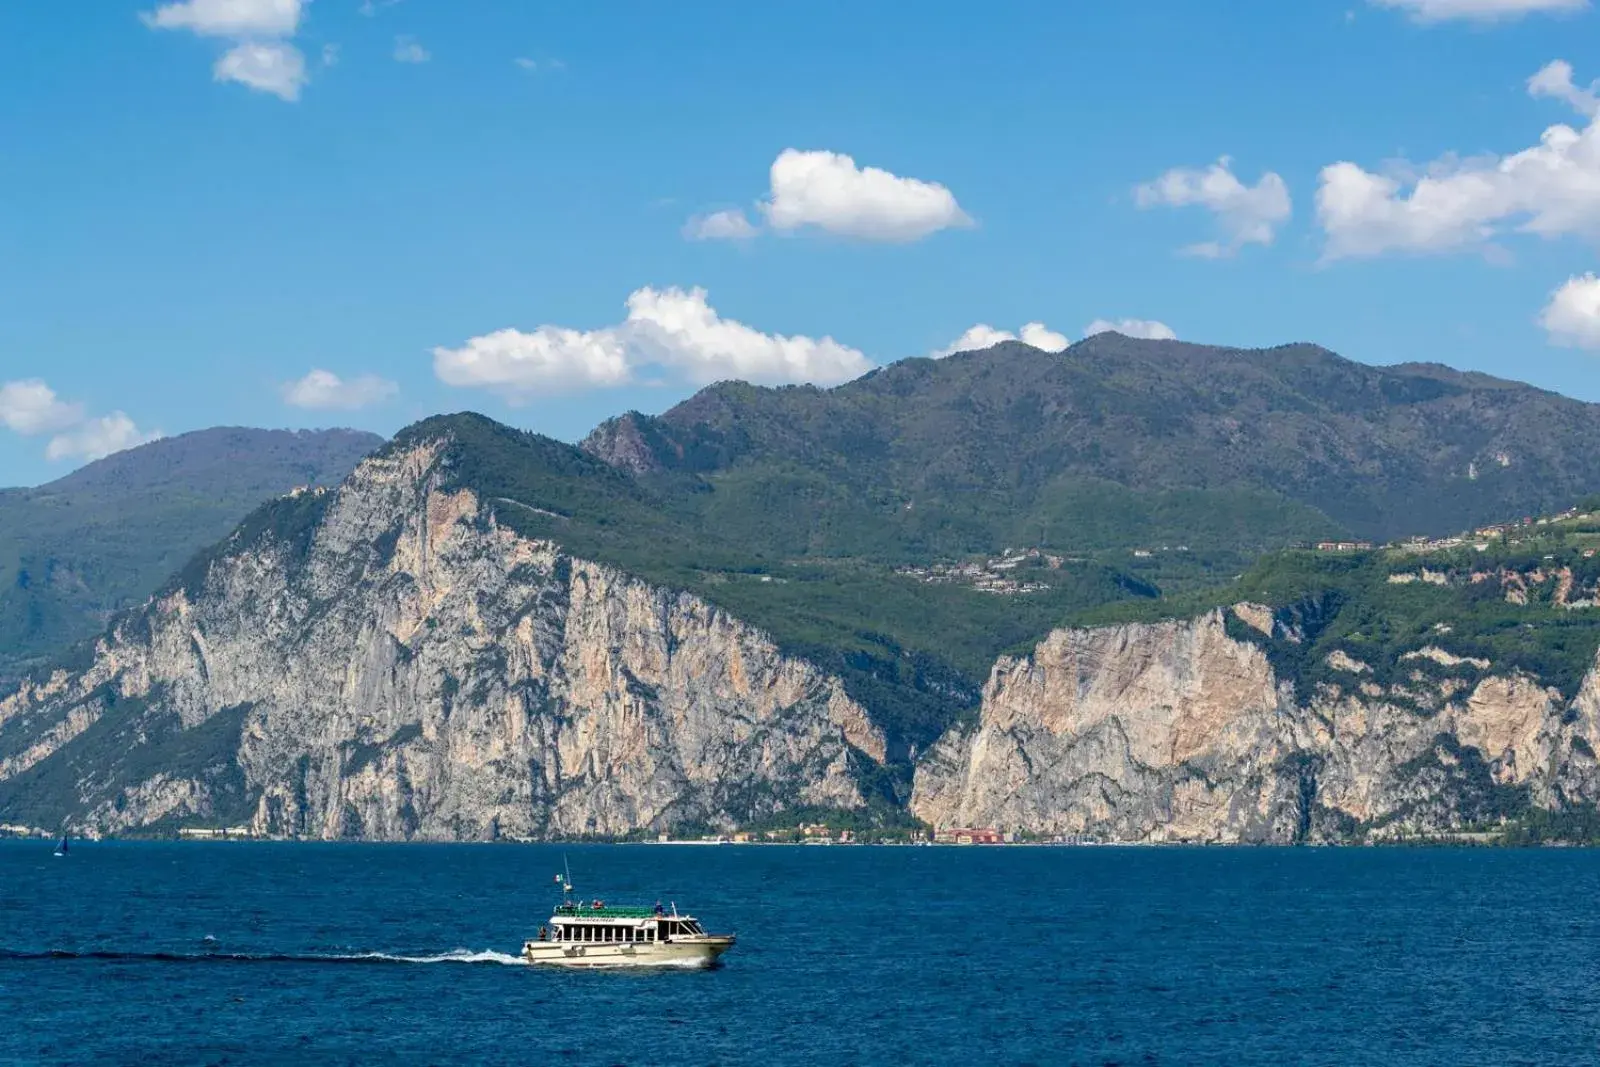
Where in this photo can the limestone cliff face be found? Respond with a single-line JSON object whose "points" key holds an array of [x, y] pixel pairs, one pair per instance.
{"points": [[387, 661], [1181, 731]]}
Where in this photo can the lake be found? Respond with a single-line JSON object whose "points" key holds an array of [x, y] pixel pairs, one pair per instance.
{"points": [[333, 953]]}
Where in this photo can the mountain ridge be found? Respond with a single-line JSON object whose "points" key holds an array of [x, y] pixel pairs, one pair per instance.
{"points": [[1012, 438]]}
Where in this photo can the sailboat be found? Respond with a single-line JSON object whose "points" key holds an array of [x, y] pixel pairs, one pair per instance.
{"points": [[61, 849]]}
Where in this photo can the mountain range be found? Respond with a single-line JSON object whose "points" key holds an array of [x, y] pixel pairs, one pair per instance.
{"points": [[1114, 441], [1009, 585]]}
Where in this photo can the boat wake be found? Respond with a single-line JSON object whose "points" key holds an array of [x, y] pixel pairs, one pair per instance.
{"points": [[459, 955]]}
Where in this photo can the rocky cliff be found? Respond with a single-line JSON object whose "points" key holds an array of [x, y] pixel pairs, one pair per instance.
{"points": [[1184, 730], [388, 660]]}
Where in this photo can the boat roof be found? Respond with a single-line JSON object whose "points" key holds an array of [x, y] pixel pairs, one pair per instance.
{"points": [[613, 911]]}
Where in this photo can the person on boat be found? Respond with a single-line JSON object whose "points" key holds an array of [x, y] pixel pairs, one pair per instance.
{"points": [[599, 904], [659, 909], [544, 934]]}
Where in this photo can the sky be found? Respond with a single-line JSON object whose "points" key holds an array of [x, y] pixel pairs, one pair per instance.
{"points": [[313, 213]]}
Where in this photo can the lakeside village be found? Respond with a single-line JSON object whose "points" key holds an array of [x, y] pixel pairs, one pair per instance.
{"points": [[806, 833], [1019, 571]]}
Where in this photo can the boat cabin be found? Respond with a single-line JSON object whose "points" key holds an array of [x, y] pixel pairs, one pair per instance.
{"points": [[610, 925]]}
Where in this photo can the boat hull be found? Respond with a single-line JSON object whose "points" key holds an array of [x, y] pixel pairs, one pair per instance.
{"points": [[687, 953]]}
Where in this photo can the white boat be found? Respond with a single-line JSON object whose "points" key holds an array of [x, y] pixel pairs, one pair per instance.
{"points": [[597, 934]]}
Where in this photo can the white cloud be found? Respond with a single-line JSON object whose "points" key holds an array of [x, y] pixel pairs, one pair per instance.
{"points": [[1148, 329], [324, 390], [330, 55], [261, 56], [272, 67], [1551, 189], [1555, 79], [407, 50], [827, 190], [1246, 214], [98, 438], [730, 225], [30, 406], [671, 329], [681, 330], [1572, 317], [1480, 10], [983, 336], [1041, 337], [549, 359], [526, 63], [228, 18]]}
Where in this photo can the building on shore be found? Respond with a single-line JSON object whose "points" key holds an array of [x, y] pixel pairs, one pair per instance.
{"points": [[968, 836]]}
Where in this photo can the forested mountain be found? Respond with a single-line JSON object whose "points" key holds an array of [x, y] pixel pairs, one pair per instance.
{"points": [[104, 536], [1112, 442]]}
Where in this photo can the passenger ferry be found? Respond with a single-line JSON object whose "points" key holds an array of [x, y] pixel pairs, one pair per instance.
{"points": [[597, 934]]}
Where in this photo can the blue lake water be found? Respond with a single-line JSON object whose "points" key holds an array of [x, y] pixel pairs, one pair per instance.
{"points": [[845, 956]]}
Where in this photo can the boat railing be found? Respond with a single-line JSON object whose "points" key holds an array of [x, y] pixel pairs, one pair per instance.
{"points": [[608, 911]]}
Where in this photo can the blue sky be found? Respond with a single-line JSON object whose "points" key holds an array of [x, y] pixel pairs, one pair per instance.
{"points": [[189, 227]]}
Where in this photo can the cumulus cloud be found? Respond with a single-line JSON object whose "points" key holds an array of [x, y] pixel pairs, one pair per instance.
{"points": [[827, 190], [273, 67], [982, 336], [674, 330], [228, 18], [1246, 214], [1480, 10], [549, 359], [1554, 79], [325, 390], [1572, 317], [30, 406], [728, 225], [1041, 337], [98, 438], [1551, 189], [261, 57], [1149, 329], [407, 50]]}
